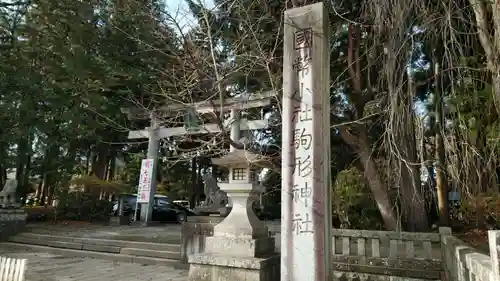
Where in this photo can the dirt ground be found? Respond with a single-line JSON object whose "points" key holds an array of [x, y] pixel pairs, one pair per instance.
{"points": [[476, 238]]}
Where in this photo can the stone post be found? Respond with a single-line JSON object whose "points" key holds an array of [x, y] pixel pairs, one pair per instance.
{"points": [[235, 127], [120, 206], [447, 261], [153, 146], [494, 242], [119, 219], [240, 248], [306, 204]]}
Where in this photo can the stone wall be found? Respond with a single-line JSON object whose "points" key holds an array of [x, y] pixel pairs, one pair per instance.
{"points": [[462, 262], [12, 221]]}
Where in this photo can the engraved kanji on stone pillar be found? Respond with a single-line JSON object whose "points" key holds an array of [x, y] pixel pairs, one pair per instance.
{"points": [[306, 208]]}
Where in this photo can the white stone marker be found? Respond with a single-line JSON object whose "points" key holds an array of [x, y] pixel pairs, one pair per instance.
{"points": [[306, 209]]}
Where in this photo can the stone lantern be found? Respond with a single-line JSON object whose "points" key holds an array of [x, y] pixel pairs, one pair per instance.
{"points": [[243, 189], [240, 248]]}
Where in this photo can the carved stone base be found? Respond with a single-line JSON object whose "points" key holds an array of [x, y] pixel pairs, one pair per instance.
{"points": [[229, 258], [211, 267], [209, 210], [242, 221], [204, 219], [240, 247]]}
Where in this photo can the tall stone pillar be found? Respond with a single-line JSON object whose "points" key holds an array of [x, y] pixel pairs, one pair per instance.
{"points": [[153, 148], [241, 248], [306, 182]]}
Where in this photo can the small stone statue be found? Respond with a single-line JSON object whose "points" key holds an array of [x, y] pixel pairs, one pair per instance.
{"points": [[8, 194], [215, 197]]}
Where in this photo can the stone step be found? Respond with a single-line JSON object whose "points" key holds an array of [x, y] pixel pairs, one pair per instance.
{"points": [[151, 253], [90, 244], [93, 254]]}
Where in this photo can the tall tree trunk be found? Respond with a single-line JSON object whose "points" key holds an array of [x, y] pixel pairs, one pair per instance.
{"points": [[101, 161], [458, 158], [48, 189], [88, 161], [430, 185], [380, 193], [359, 143], [112, 166], [50, 192], [93, 161], [484, 166], [192, 193], [71, 157], [3, 166], [3, 176], [401, 125], [100, 158], [199, 182], [26, 178], [45, 188], [50, 168], [413, 204], [489, 36], [440, 165], [39, 189], [45, 170], [23, 157]]}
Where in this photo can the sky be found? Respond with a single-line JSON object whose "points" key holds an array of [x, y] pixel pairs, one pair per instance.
{"points": [[180, 11], [177, 3]]}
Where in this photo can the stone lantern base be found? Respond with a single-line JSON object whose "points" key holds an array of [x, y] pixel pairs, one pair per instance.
{"points": [[230, 258], [210, 267], [241, 248]]}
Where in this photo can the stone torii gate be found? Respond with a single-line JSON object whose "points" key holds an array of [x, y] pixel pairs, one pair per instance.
{"points": [[154, 133]]}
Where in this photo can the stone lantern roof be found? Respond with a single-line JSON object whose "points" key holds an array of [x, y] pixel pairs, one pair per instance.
{"points": [[242, 158]]}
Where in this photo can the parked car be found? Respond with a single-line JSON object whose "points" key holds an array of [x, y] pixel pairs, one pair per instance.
{"points": [[184, 203], [164, 210]]}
